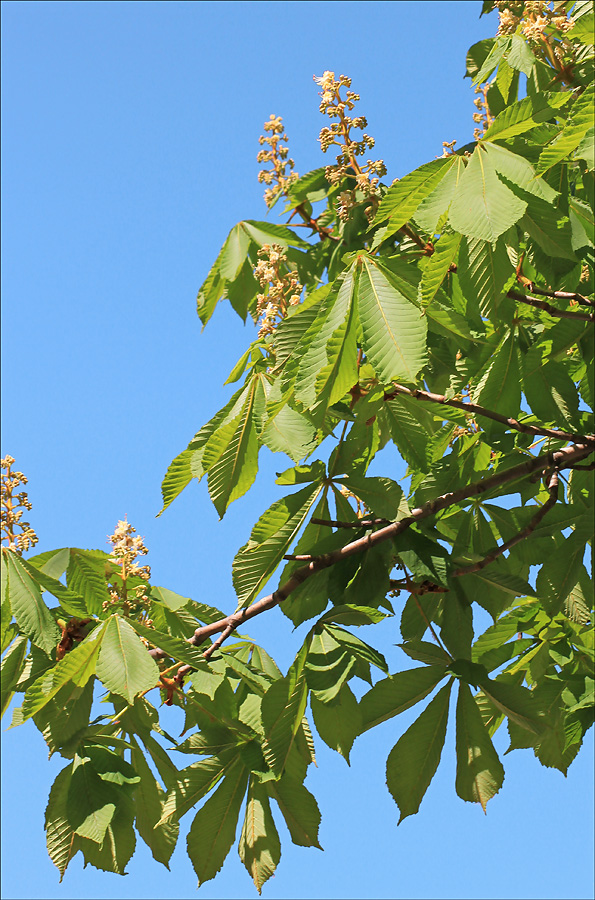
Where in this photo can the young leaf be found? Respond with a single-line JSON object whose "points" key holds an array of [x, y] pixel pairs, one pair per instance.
{"points": [[413, 761], [403, 198]]}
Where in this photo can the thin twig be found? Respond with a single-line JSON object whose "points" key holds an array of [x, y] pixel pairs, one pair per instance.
{"points": [[529, 529], [560, 295], [552, 310], [489, 414]]}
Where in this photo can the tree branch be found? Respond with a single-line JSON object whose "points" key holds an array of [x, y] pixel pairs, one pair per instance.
{"points": [[552, 310], [361, 523], [490, 414], [557, 459]]}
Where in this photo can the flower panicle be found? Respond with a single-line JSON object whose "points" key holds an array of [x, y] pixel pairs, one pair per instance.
{"points": [[13, 505], [281, 287], [277, 155], [367, 176]]}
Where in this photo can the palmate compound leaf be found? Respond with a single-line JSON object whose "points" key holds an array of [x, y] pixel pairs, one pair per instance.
{"points": [[195, 781], [274, 532], [480, 773], [124, 664], [413, 761], [393, 329], [259, 846], [24, 596], [483, 208], [213, 830]]}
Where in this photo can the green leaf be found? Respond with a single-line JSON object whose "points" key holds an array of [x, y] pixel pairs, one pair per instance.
{"points": [[149, 802], [524, 115], [60, 837], [28, 608], [381, 495], [53, 562], [177, 477], [213, 830], [519, 170], [86, 576], [70, 601], [480, 773], [77, 667], [283, 708], [514, 701], [483, 208], [456, 629], [357, 647], [91, 801], [259, 847], [194, 782], [520, 56], [397, 693], [571, 135], [290, 432], [12, 667], [560, 573], [393, 330], [485, 271], [299, 809], [339, 721], [403, 198], [439, 263], [433, 211], [124, 665], [412, 762], [235, 470], [498, 384], [430, 654], [326, 355], [256, 561], [177, 648], [408, 428]]}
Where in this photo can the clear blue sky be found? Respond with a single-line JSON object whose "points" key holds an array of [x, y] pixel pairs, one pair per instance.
{"points": [[128, 143]]}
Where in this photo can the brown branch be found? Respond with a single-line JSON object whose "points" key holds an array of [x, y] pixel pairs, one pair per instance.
{"points": [[361, 523], [558, 459], [560, 295], [489, 414], [517, 538], [552, 310]]}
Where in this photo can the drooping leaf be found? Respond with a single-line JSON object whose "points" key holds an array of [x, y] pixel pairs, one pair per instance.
{"points": [[213, 829], [259, 847], [299, 809], [480, 773], [338, 722], [413, 761]]}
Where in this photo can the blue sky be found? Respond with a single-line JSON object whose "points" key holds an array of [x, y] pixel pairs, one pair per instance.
{"points": [[130, 131]]}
